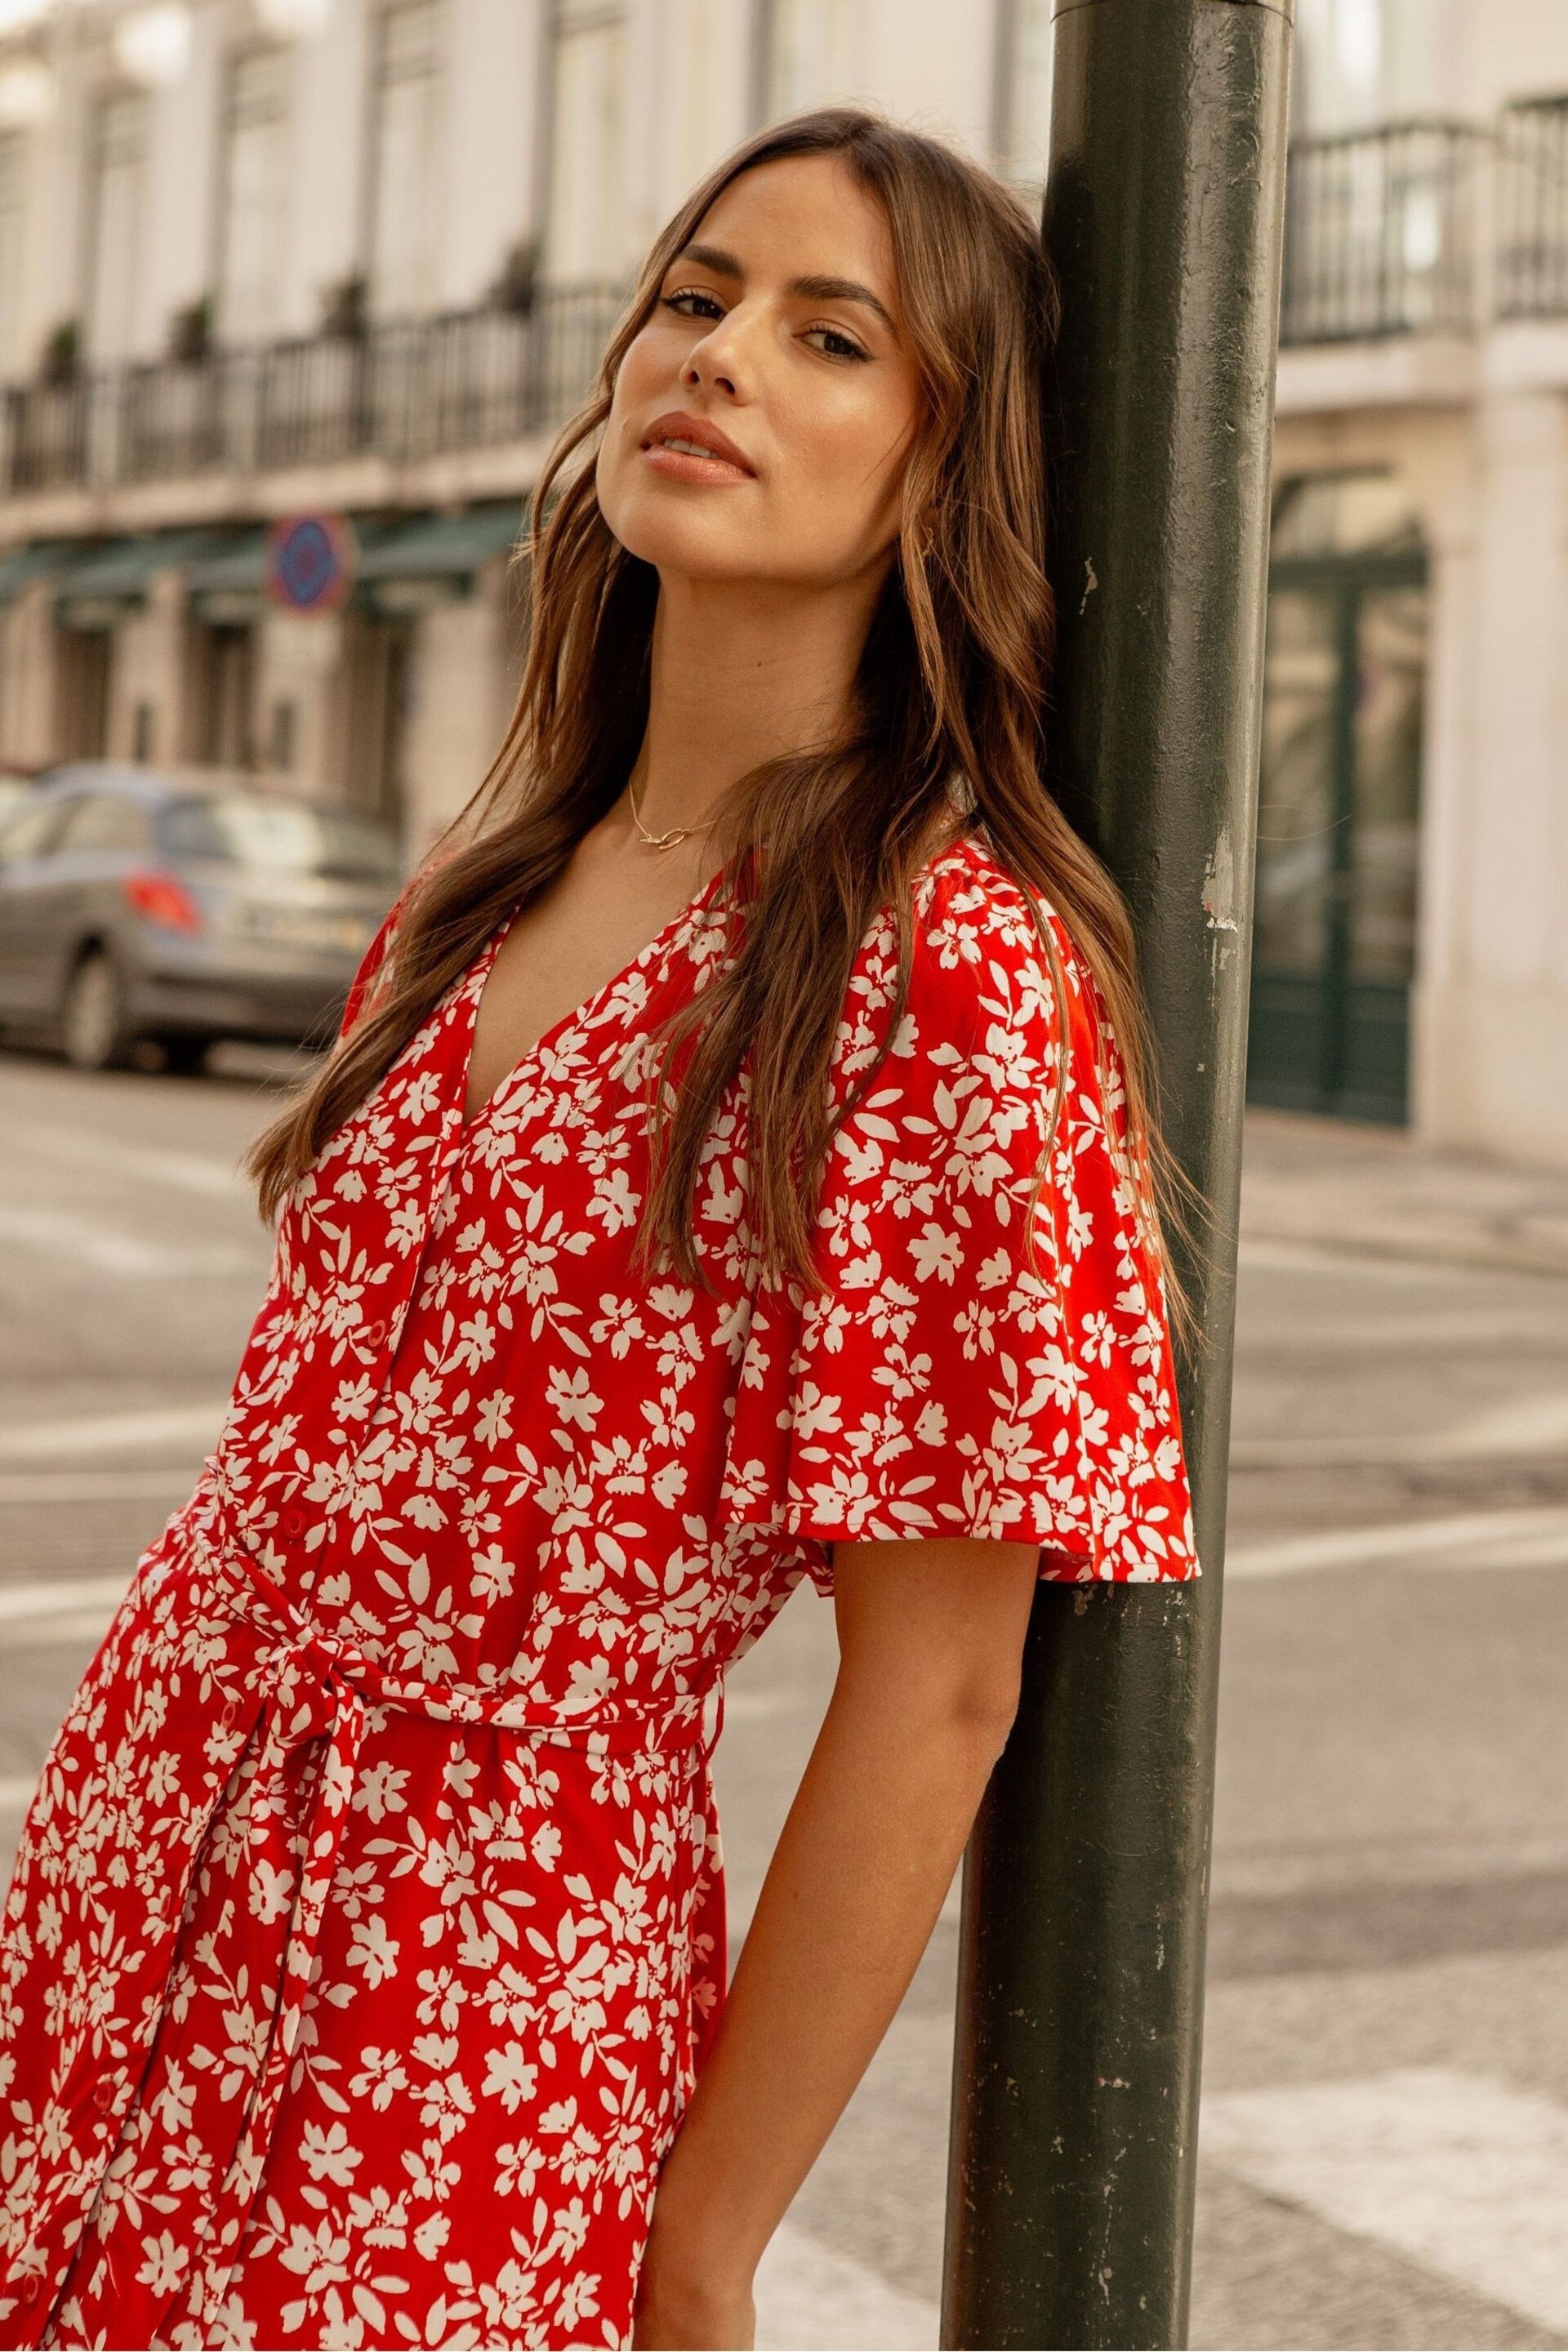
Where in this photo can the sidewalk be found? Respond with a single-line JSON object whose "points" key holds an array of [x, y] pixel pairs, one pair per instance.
{"points": [[1372, 1191]]}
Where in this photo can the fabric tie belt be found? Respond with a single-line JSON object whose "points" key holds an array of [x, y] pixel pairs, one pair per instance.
{"points": [[317, 1685]]}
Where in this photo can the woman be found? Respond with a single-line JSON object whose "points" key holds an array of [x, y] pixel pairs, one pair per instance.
{"points": [[733, 1168]]}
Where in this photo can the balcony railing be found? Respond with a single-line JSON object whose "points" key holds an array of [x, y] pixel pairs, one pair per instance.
{"points": [[1532, 210], [1381, 234], [402, 391]]}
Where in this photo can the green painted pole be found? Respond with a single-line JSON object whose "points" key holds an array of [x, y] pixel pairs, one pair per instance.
{"points": [[1080, 1990]]}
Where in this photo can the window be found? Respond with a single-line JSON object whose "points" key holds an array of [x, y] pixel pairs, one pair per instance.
{"points": [[1024, 91], [114, 224], [12, 217], [34, 833], [810, 55], [255, 198], [278, 836], [105, 821], [698, 90], [406, 160], [586, 215], [1364, 62]]}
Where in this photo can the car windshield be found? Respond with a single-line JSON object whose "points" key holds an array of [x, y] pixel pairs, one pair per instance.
{"points": [[280, 837]]}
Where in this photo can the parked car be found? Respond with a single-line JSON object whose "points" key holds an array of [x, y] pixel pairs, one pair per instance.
{"points": [[16, 786], [181, 907]]}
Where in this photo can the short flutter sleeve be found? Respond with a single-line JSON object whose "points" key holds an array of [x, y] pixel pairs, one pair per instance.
{"points": [[371, 968], [987, 1356]]}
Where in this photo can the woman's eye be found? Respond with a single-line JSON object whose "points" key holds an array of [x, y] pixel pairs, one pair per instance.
{"points": [[834, 344], [692, 303]]}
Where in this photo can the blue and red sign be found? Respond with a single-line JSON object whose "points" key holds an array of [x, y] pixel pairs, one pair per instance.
{"points": [[311, 562]]}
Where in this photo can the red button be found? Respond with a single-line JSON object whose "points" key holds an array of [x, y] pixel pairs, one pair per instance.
{"points": [[226, 1720], [293, 1523], [103, 2094], [32, 2287], [375, 1334]]}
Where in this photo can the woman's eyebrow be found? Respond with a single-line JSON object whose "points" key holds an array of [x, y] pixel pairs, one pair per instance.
{"points": [[841, 289], [812, 290], [713, 257]]}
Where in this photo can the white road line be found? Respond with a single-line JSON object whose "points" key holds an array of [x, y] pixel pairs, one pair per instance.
{"points": [[94, 1598], [96, 1486], [73, 1629], [182, 1172], [110, 1432], [108, 1252], [1477, 1540], [1519, 1429], [1467, 2177], [811, 2298]]}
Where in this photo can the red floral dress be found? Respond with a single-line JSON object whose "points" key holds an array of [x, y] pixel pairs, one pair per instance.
{"points": [[367, 1928]]}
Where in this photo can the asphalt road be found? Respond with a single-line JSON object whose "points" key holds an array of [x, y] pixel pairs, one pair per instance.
{"points": [[1385, 2149]]}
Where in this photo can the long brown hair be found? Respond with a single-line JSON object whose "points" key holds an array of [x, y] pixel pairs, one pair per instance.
{"points": [[952, 681]]}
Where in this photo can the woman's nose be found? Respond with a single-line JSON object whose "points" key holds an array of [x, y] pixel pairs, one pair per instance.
{"points": [[695, 375], [721, 360]]}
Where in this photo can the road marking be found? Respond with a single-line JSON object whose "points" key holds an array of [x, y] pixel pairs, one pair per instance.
{"points": [[1538, 1245], [115, 1253], [109, 1433], [70, 1628], [97, 1486], [93, 1598], [1518, 1430], [1477, 1540], [811, 2298], [1535, 1425], [184, 1171], [1465, 2176]]}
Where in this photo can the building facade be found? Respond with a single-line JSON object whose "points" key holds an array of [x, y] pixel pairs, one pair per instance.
{"points": [[354, 261]]}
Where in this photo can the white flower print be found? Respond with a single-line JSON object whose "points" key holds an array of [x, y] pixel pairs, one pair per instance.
{"points": [[405, 1713]]}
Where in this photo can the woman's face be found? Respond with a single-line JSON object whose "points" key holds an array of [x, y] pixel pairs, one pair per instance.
{"points": [[763, 416]]}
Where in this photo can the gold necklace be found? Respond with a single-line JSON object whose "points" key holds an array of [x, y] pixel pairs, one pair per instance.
{"points": [[662, 840]]}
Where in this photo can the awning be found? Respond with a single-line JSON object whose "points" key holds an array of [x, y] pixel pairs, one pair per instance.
{"points": [[21, 566], [230, 588], [101, 589], [433, 557]]}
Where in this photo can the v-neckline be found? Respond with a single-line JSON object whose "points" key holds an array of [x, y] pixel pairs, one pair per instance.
{"points": [[661, 941]]}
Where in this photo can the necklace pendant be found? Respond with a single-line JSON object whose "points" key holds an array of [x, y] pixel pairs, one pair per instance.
{"points": [[660, 840]]}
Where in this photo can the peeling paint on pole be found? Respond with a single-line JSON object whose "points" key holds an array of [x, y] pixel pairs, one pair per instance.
{"points": [[1219, 887], [1075, 2081]]}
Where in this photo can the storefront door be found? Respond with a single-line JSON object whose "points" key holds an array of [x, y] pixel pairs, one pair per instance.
{"points": [[1334, 936]]}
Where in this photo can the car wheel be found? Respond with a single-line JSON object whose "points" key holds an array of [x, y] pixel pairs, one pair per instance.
{"points": [[93, 1034]]}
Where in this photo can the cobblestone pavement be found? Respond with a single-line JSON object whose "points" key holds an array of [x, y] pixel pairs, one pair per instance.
{"points": [[1387, 2105]]}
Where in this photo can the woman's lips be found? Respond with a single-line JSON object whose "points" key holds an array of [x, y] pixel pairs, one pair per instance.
{"points": [[684, 466], [687, 450]]}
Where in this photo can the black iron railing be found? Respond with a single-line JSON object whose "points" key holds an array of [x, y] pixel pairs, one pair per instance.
{"points": [[400, 391], [1532, 210], [1380, 234]]}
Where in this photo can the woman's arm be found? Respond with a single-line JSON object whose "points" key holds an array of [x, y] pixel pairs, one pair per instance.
{"points": [[930, 1636]]}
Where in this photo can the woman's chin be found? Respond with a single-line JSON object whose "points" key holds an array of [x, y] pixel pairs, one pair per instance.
{"points": [[700, 559]]}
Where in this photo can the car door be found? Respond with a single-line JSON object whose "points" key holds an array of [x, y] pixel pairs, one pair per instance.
{"points": [[106, 834], [26, 872]]}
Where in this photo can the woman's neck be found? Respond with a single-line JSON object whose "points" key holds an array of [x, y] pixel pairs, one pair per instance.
{"points": [[740, 675]]}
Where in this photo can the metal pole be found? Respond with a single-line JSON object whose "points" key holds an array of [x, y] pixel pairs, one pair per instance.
{"points": [[1075, 2080]]}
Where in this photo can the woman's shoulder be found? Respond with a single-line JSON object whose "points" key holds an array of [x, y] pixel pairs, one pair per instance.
{"points": [[963, 968], [982, 939], [967, 903]]}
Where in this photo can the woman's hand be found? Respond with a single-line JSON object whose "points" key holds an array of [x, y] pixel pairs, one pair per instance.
{"points": [[931, 1635], [687, 2305]]}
